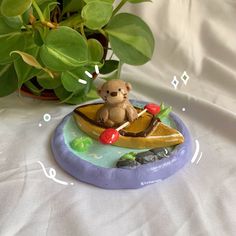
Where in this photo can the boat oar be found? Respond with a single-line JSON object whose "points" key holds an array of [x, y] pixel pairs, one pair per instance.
{"points": [[110, 135]]}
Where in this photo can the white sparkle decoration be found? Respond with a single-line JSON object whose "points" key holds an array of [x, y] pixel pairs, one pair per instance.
{"points": [[96, 69], [88, 74], [183, 109], [199, 158], [185, 77], [175, 82], [82, 81], [52, 175], [47, 117], [196, 151], [40, 125]]}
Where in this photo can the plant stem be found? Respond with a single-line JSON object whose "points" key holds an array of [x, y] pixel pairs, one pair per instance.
{"points": [[119, 69], [38, 10], [120, 5], [82, 30]]}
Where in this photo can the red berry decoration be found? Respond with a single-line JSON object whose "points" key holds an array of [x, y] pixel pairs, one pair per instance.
{"points": [[153, 108], [109, 136]]}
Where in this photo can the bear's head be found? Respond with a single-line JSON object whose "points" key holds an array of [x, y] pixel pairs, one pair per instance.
{"points": [[114, 91]]}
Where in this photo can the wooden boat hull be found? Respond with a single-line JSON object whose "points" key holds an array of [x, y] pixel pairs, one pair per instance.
{"points": [[157, 135]]}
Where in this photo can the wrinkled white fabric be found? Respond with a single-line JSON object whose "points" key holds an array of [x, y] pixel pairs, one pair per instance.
{"points": [[198, 37]]}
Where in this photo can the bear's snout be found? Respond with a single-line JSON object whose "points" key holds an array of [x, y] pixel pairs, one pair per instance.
{"points": [[113, 94]]}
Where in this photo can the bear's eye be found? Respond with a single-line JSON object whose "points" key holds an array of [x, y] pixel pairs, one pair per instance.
{"points": [[107, 91], [119, 89]]}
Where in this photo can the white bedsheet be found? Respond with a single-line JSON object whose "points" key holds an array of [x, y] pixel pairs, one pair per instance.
{"points": [[198, 37]]}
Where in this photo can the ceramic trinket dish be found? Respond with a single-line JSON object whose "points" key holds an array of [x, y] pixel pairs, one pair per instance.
{"points": [[121, 143]]}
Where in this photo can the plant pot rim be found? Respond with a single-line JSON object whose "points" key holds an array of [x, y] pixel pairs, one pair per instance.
{"points": [[46, 95]]}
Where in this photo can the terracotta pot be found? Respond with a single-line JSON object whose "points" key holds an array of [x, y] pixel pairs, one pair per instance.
{"points": [[46, 94]]}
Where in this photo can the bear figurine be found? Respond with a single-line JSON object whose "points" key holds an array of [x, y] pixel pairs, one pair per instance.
{"points": [[117, 109]]}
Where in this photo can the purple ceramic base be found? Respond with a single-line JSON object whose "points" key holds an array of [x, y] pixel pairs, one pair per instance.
{"points": [[117, 178]]}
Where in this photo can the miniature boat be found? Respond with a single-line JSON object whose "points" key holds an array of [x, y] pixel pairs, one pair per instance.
{"points": [[145, 132]]}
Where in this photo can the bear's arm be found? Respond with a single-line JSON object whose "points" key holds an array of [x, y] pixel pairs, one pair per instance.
{"points": [[102, 115], [131, 112]]}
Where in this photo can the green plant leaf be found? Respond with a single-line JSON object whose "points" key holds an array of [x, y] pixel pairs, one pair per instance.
{"points": [[139, 1], [29, 59], [14, 7], [4, 27], [131, 39], [109, 66], [8, 80], [92, 93], [109, 1], [95, 50], [96, 14], [64, 49], [14, 22], [75, 80], [26, 15], [50, 6], [46, 82], [26, 66], [62, 94], [69, 97], [72, 5], [41, 2], [73, 21], [38, 36], [12, 41], [34, 89]]}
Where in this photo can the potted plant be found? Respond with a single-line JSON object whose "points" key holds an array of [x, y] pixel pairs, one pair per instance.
{"points": [[48, 45]]}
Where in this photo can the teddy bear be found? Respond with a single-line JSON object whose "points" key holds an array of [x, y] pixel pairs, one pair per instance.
{"points": [[116, 109]]}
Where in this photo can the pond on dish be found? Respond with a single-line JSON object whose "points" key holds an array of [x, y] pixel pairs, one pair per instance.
{"points": [[99, 154]]}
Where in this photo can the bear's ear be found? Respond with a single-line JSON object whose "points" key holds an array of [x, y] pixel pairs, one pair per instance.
{"points": [[128, 86]]}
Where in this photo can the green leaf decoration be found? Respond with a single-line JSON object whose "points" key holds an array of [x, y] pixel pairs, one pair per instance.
{"points": [[64, 49], [12, 41], [129, 156], [97, 14], [8, 80], [162, 106], [14, 7], [81, 144], [48, 82], [164, 113], [131, 39], [109, 66], [72, 6], [95, 50]]}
